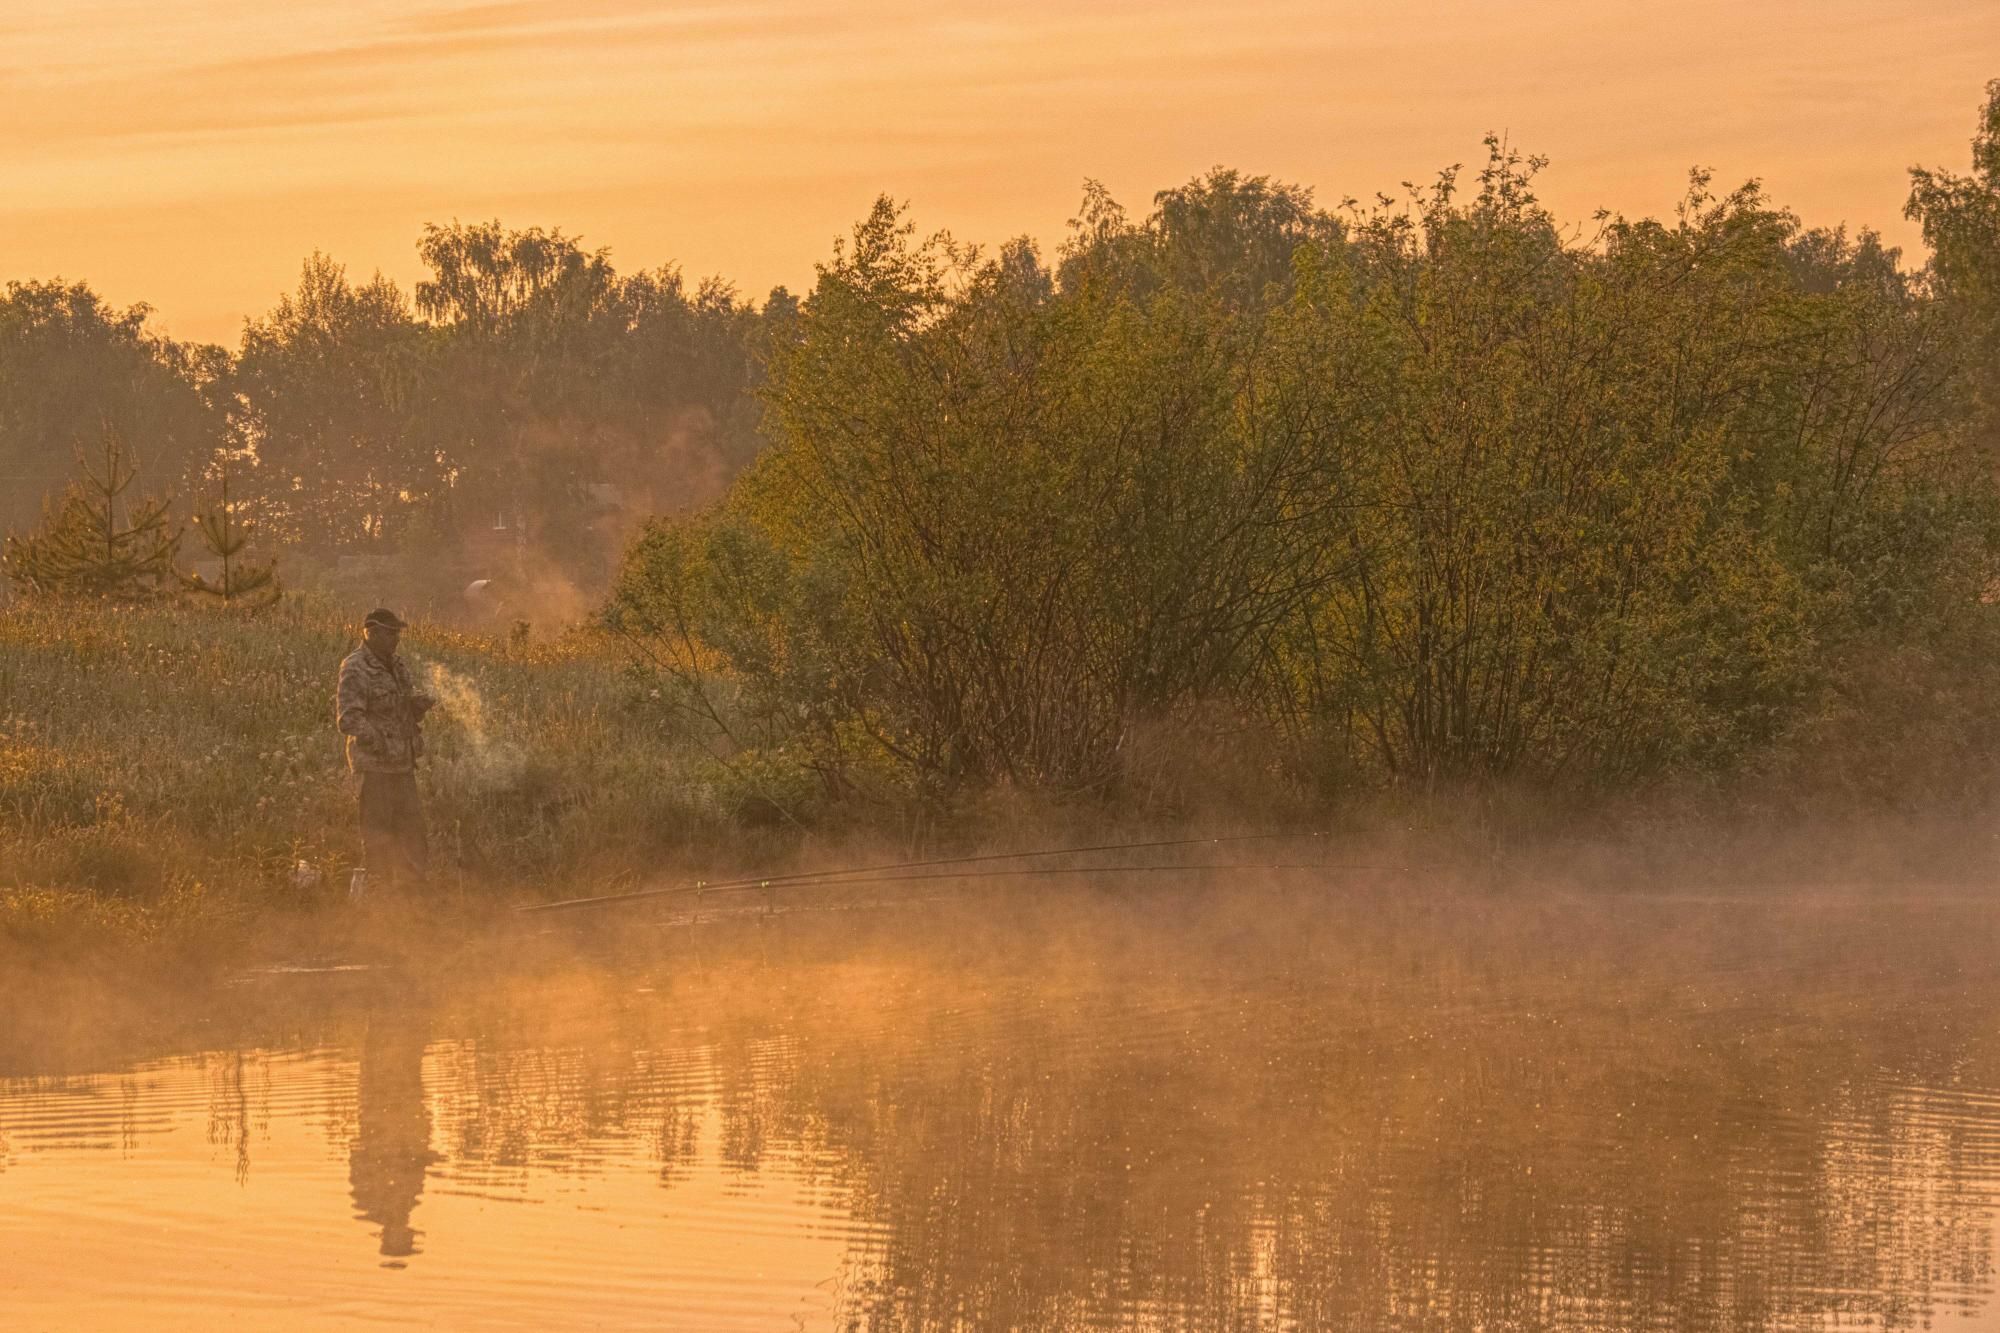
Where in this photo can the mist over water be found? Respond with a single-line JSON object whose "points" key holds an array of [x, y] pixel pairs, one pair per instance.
{"points": [[1287, 1106]]}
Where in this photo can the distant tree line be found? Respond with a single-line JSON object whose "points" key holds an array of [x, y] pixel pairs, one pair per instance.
{"points": [[525, 386], [1426, 490]]}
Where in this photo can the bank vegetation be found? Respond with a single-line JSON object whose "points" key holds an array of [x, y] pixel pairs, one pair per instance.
{"points": [[1243, 510]]}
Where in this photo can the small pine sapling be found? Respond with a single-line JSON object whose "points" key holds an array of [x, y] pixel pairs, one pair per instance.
{"points": [[242, 583], [92, 542]]}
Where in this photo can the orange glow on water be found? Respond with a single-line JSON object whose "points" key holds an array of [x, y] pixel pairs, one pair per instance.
{"points": [[1286, 1108]]}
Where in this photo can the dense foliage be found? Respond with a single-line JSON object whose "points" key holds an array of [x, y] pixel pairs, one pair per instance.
{"points": [[1432, 490], [517, 415]]}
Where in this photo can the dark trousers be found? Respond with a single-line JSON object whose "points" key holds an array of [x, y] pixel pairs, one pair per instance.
{"points": [[393, 844]]}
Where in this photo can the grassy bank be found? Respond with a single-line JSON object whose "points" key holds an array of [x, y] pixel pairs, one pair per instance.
{"points": [[172, 790], [171, 777], [172, 786]]}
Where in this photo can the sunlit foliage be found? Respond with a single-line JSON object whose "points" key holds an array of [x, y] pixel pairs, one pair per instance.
{"points": [[1453, 492]]}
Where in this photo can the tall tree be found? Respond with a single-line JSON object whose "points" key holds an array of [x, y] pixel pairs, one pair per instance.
{"points": [[70, 363], [1961, 221], [572, 394], [335, 401], [1224, 237]]}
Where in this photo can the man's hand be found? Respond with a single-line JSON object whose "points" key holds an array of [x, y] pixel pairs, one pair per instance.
{"points": [[421, 704]]}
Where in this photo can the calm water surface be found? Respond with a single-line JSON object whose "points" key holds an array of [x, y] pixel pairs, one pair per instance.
{"points": [[1251, 1109]]}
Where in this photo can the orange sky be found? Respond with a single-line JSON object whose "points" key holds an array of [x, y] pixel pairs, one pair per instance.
{"points": [[190, 153]]}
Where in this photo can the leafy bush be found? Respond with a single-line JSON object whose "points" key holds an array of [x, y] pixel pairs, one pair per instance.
{"points": [[1458, 496]]}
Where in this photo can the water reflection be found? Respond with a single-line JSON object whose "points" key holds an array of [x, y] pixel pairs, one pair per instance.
{"points": [[1320, 1131], [392, 1133], [1458, 1115], [228, 1112]]}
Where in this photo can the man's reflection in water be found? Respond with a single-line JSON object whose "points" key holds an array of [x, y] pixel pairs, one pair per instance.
{"points": [[392, 1141]]}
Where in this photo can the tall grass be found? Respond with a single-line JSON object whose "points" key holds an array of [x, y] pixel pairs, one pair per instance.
{"points": [[169, 772]]}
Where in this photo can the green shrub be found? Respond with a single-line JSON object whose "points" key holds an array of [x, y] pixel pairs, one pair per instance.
{"points": [[1460, 499]]}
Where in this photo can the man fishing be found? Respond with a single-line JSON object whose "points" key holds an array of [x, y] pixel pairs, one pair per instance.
{"points": [[381, 714]]}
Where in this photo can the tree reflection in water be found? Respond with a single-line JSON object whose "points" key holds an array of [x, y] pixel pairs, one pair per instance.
{"points": [[1464, 1116], [391, 1148]]}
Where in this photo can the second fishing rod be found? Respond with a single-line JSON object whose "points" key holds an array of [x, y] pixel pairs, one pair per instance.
{"points": [[913, 869]]}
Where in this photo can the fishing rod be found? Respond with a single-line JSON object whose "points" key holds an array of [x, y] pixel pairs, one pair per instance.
{"points": [[937, 875], [854, 874], [1017, 872]]}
